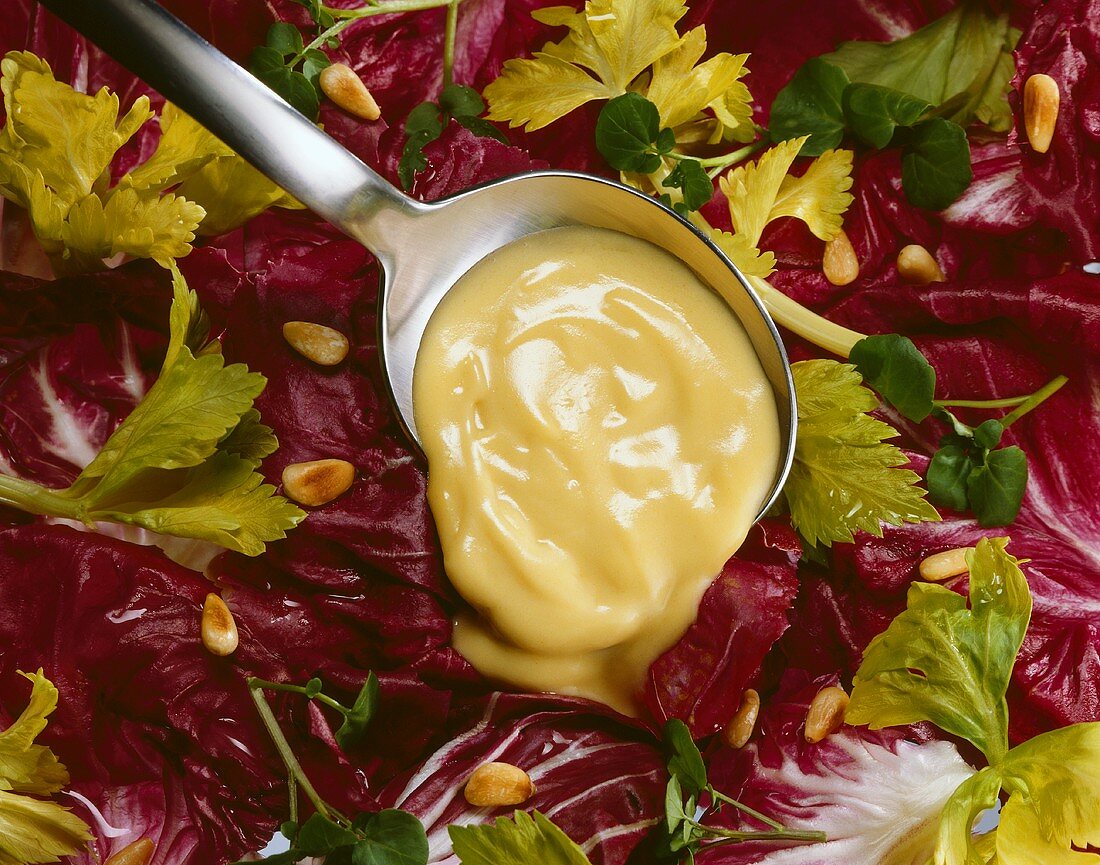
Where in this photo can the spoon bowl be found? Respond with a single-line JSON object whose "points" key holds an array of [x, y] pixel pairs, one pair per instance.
{"points": [[423, 248]]}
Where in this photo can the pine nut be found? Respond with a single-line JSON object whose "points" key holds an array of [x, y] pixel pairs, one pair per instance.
{"points": [[219, 629], [138, 853], [916, 265], [739, 730], [317, 482], [826, 713], [942, 566], [493, 785], [839, 261], [347, 90], [1041, 100], [322, 345]]}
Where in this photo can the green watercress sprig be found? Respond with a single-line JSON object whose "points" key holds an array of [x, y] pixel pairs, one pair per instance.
{"points": [[821, 101], [288, 67], [387, 837], [689, 792], [968, 472], [427, 121]]}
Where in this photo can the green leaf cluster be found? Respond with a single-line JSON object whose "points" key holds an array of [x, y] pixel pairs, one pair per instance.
{"points": [[34, 829], [184, 462], [427, 121], [948, 659], [288, 67], [630, 137], [970, 473], [388, 837], [686, 834], [845, 477], [820, 101]]}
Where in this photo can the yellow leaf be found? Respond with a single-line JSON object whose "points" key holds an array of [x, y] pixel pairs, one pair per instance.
{"points": [[762, 191], [749, 260], [34, 831], [609, 44], [69, 137], [1053, 781], [820, 196], [144, 225], [681, 89], [24, 766], [751, 189]]}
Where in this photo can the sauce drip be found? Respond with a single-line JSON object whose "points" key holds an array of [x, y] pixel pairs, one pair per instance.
{"points": [[600, 436]]}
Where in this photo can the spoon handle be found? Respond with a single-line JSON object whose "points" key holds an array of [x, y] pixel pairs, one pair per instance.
{"points": [[246, 115]]}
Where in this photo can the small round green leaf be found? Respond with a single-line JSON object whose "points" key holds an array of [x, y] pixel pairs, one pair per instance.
{"points": [[873, 113], [996, 488], [935, 164], [896, 369], [626, 130], [810, 104], [947, 475], [390, 837], [285, 38]]}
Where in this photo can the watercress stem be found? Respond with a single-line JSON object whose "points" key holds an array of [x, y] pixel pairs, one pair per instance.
{"points": [[784, 835], [1041, 395], [253, 682], [295, 769], [722, 160], [292, 791], [741, 806], [449, 32]]}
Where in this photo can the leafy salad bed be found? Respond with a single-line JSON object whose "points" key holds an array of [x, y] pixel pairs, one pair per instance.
{"points": [[149, 404]]}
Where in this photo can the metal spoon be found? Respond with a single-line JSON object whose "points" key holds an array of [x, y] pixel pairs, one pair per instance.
{"points": [[423, 248]]}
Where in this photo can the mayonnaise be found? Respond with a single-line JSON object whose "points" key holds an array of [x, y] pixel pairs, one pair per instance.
{"points": [[600, 437]]}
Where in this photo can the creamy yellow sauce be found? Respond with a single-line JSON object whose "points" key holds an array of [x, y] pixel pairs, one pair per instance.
{"points": [[600, 436]]}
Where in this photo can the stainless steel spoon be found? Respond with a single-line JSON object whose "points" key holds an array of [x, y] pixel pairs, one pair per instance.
{"points": [[423, 248]]}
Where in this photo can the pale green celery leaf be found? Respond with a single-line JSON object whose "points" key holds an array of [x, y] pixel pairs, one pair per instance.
{"points": [[188, 323], [24, 766], [189, 409], [949, 662], [34, 831], [250, 439], [956, 844], [845, 477], [527, 839], [223, 500], [144, 225], [963, 58], [1053, 782], [69, 137]]}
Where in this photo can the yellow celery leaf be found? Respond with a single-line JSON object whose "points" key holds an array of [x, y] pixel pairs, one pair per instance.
{"points": [[820, 196], [69, 137], [681, 89], [751, 189], [762, 191], [1053, 781], [34, 831], [45, 208], [749, 260], [144, 225], [734, 109], [609, 44], [24, 766], [207, 172]]}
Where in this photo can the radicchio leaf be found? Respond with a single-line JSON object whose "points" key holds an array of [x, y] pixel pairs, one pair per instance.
{"points": [[877, 796], [600, 779]]}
